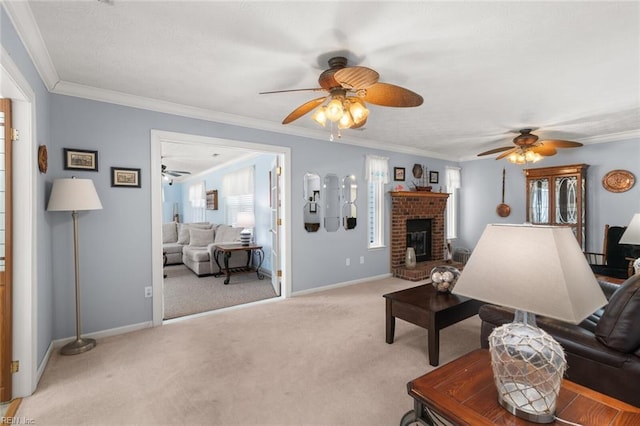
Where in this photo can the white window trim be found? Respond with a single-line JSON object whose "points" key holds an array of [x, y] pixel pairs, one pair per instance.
{"points": [[452, 180], [377, 175]]}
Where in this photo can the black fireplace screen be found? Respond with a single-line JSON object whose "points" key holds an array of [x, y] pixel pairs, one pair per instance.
{"points": [[419, 237]]}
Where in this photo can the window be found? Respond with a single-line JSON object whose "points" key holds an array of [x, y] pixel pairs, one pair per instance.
{"points": [[197, 199], [237, 190], [453, 184], [377, 175]]}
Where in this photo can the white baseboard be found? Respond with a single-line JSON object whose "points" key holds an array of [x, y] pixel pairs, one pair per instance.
{"points": [[106, 333], [43, 364], [342, 284]]}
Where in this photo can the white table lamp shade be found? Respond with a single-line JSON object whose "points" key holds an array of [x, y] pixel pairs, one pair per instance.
{"points": [[245, 220], [632, 234], [538, 269], [71, 194]]}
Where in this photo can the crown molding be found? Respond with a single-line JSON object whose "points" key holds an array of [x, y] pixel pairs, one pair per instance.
{"points": [[25, 24], [125, 99]]}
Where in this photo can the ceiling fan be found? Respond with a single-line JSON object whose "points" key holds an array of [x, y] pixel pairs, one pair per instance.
{"points": [[170, 174], [529, 149], [349, 88]]}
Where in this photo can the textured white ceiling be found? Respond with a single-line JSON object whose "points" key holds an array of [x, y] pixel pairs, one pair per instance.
{"points": [[570, 69]]}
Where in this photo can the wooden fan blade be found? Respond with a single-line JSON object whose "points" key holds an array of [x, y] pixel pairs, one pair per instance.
{"points": [[495, 150], [559, 143], [507, 153], [303, 109], [390, 95], [356, 77], [314, 89], [545, 150]]}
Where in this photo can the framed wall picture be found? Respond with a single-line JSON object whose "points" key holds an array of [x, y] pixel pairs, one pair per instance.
{"points": [[434, 177], [212, 199], [125, 177], [398, 173], [80, 159]]}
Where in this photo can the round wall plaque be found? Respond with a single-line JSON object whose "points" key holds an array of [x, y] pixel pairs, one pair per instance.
{"points": [[43, 159], [618, 181]]}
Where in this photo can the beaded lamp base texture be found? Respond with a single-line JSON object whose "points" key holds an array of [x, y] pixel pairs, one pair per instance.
{"points": [[528, 366]]}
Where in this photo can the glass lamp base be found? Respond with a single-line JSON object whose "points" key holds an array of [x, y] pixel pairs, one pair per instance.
{"points": [[528, 365]]}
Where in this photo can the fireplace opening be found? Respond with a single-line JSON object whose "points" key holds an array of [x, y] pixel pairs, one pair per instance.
{"points": [[419, 237]]}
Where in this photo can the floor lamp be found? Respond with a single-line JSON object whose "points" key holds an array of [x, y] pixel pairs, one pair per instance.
{"points": [[71, 194]]}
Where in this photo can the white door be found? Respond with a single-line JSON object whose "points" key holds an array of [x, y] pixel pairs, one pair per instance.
{"points": [[274, 180]]}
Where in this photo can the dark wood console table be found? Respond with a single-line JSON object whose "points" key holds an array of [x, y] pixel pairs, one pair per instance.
{"points": [[427, 308], [226, 250], [463, 392]]}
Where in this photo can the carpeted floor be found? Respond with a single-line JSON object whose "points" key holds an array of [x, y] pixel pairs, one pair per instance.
{"points": [[185, 293], [317, 359]]}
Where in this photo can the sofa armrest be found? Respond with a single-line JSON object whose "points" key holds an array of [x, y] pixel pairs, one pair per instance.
{"points": [[608, 288], [573, 338]]}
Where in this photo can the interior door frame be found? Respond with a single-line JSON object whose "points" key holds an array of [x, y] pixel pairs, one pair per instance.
{"points": [[157, 137], [25, 232], [6, 276]]}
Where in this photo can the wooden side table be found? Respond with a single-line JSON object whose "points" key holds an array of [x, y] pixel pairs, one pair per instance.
{"points": [[463, 392], [226, 250]]}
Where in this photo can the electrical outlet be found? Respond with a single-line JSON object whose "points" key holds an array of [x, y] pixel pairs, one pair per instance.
{"points": [[348, 261], [148, 292], [361, 260]]}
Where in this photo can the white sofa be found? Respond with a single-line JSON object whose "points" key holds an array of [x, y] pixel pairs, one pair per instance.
{"points": [[194, 243]]}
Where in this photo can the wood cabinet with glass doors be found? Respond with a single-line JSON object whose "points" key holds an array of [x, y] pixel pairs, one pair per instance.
{"points": [[556, 196]]}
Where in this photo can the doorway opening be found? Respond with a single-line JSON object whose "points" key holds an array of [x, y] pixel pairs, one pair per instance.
{"points": [[271, 227]]}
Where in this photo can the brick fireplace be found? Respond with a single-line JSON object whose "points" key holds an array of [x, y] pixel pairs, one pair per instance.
{"points": [[411, 206]]}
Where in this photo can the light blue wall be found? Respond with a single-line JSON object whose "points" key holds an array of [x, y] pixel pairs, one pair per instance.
{"points": [[44, 244], [481, 190], [172, 195]]}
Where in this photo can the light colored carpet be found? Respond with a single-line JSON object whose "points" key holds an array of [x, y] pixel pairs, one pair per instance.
{"points": [[185, 293], [318, 359]]}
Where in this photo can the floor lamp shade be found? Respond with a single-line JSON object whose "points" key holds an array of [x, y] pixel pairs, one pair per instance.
{"points": [[74, 195], [534, 270], [71, 194]]}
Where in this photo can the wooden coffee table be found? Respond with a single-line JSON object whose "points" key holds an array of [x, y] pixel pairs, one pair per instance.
{"points": [[427, 308], [463, 392]]}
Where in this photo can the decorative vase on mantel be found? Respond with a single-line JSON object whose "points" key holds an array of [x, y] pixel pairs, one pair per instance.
{"points": [[410, 258]]}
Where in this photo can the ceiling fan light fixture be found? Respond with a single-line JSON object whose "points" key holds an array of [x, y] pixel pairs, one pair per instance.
{"points": [[345, 121], [334, 110], [320, 116], [358, 110]]}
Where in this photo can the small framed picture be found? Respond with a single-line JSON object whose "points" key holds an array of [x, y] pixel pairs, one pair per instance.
{"points": [[80, 159], [313, 208], [433, 177], [125, 177], [398, 173], [212, 199]]}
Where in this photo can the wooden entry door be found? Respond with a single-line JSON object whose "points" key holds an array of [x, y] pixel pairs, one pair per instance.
{"points": [[5, 250]]}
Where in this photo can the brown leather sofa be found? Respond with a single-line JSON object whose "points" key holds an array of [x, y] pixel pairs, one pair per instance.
{"points": [[602, 352]]}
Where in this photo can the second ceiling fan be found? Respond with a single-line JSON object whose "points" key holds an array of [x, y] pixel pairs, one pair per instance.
{"points": [[529, 148], [349, 88]]}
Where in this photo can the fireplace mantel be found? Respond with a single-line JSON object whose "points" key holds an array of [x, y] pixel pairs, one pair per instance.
{"points": [[428, 194]]}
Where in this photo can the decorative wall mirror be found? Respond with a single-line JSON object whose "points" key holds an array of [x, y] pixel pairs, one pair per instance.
{"points": [[349, 195], [331, 203], [311, 194]]}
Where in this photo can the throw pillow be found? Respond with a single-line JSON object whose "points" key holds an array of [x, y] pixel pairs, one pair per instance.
{"points": [[183, 233], [169, 233], [618, 328], [200, 237]]}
